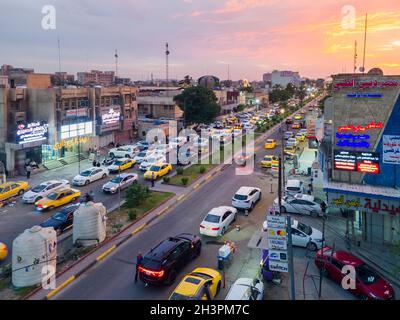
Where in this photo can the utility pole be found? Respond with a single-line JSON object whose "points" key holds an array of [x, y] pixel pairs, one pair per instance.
{"points": [[167, 66], [322, 245], [116, 62], [365, 43], [290, 253]]}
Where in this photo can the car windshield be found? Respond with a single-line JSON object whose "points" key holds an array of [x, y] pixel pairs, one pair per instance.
{"points": [[86, 173], [151, 160], [151, 264], [240, 197], [212, 218], [116, 180], [142, 154], [39, 188], [53, 196], [1, 190], [268, 158], [366, 274], [118, 163], [304, 228], [270, 141], [155, 168], [61, 216], [177, 296]]}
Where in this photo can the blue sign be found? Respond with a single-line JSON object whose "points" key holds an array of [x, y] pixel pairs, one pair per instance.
{"points": [[352, 140]]}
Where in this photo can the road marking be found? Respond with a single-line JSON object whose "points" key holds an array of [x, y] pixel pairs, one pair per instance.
{"points": [[180, 198], [106, 253], [208, 177], [137, 230], [196, 186], [62, 286]]}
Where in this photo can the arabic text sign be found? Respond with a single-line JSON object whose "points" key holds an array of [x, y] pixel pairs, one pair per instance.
{"points": [[353, 83], [367, 162], [276, 221], [344, 201], [32, 132], [391, 149]]}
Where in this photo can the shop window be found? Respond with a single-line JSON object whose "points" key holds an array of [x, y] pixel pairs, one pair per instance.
{"points": [[73, 103]]}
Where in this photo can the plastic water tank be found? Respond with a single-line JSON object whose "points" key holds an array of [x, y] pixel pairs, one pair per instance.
{"points": [[33, 251], [89, 224]]}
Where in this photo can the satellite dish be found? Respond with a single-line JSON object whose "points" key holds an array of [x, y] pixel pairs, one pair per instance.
{"points": [[362, 69]]}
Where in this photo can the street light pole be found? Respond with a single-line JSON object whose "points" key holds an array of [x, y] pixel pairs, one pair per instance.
{"points": [[322, 246]]}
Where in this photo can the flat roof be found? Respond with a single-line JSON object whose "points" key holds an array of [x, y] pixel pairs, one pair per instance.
{"points": [[362, 190]]}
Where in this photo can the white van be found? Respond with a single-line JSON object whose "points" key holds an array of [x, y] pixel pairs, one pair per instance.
{"points": [[294, 187], [246, 289]]}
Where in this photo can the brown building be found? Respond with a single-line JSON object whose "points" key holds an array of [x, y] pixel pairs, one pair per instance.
{"points": [[105, 78]]}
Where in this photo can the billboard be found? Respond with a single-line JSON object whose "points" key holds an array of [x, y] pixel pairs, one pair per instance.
{"points": [[32, 132], [366, 162]]}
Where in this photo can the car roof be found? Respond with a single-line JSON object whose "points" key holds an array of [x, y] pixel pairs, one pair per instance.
{"points": [[219, 211], [123, 175], [163, 248], [347, 258], [304, 197], [244, 190], [9, 183], [239, 288], [123, 159]]}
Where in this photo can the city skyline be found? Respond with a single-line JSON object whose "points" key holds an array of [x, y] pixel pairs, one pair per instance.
{"points": [[252, 37]]}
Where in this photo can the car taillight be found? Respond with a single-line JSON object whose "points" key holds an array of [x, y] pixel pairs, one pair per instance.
{"points": [[39, 205], [216, 228], [201, 226], [156, 274]]}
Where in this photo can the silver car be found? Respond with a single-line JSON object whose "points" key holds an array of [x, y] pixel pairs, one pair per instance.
{"points": [[120, 182]]}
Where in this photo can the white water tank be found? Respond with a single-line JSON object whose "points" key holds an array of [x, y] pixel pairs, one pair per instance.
{"points": [[34, 254], [89, 224]]}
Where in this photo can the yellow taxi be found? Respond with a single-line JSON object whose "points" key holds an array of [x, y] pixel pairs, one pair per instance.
{"points": [[58, 198], [228, 129], [238, 126], [270, 144], [300, 137], [296, 125], [200, 284], [12, 189], [298, 117], [290, 150], [121, 164], [267, 161], [159, 170]]}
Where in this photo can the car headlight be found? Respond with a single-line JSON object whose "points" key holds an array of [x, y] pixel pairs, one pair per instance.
{"points": [[317, 240]]}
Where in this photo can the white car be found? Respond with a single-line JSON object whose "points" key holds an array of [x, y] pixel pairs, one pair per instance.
{"points": [[246, 198], [246, 289], [43, 189], [237, 132], [89, 175], [120, 182], [163, 149], [294, 186], [303, 131], [124, 152], [151, 160], [177, 142], [292, 142], [306, 236], [142, 155], [301, 203], [217, 221]]}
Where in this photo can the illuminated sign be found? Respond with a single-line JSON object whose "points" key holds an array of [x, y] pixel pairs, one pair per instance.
{"points": [[364, 95], [391, 149], [32, 132], [366, 162], [70, 143], [110, 118], [74, 130], [358, 128], [353, 83], [348, 139], [81, 112]]}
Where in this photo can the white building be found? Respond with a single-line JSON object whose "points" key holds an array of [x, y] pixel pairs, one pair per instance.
{"points": [[283, 78]]}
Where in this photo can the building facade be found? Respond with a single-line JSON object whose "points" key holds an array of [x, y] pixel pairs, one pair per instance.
{"points": [[105, 78], [283, 78], [361, 160]]}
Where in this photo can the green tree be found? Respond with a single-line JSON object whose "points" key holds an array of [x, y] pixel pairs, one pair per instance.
{"points": [[136, 195], [199, 105]]}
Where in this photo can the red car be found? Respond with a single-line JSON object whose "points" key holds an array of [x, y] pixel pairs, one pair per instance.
{"points": [[289, 121], [369, 284]]}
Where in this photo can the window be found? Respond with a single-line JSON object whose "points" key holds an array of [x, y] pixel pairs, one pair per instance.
{"points": [[226, 215], [14, 186], [337, 264]]}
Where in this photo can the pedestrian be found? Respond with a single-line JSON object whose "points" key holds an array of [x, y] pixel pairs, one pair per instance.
{"points": [[28, 169], [139, 260], [91, 195], [94, 162], [98, 164], [152, 179]]}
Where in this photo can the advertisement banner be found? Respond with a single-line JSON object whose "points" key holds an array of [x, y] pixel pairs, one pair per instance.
{"points": [[391, 149], [32, 132], [110, 118]]}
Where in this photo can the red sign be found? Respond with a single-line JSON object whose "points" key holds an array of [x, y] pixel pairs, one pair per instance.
{"points": [[368, 167], [371, 125]]}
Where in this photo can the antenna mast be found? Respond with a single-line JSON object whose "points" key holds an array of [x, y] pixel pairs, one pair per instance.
{"points": [[59, 54], [167, 63], [116, 62], [355, 57]]}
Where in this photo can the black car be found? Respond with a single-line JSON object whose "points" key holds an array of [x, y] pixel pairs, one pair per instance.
{"points": [[62, 219], [161, 264]]}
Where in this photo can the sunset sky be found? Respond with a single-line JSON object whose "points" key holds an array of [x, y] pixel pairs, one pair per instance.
{"points": [[252, 36]]}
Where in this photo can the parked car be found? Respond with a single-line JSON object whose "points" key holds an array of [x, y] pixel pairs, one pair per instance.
{"points": [[294, 186], [43, 190], [89, 175], [159, 170], [370, 285], [292, 142], [217, 221], [121, 164], [302, 204], [128, 151], [163, 149], [58, 198], [200, 284], [300, 137], [161, 264], [120, 182], [177, 142], [187, 157], [152, 160], [290, 150], [144, 145], [142, 155], [288, 134], [61, 220], [13, 188], [246, 198], [289, 121], [246, 289]]}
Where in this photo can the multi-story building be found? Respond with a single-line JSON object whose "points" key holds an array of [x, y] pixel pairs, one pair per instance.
{"points": [[61, 78], [267, 77], [360, 154], [105, 78], [283, 78], [52, 125]]}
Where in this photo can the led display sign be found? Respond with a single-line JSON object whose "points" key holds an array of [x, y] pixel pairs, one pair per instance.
{"points": [[32, 132]]}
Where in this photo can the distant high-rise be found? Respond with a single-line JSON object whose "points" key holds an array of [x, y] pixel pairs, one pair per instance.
{"points": [[105, 78], [283, 78]]}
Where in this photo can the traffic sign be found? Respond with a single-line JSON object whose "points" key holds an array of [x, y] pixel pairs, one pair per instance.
{"points": [[278, 266]]}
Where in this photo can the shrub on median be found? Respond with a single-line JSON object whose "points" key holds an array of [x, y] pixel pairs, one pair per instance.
{"points": [[132, 215], [185, 180], [136, 195], [179, 171], [202, 169], [166, 179]]}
